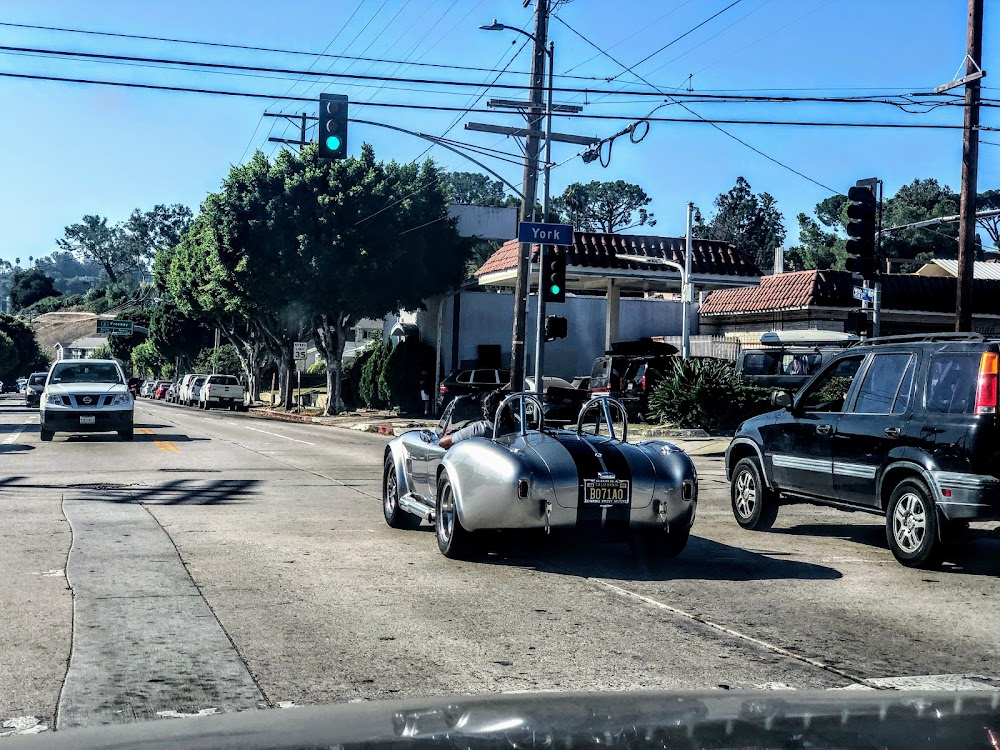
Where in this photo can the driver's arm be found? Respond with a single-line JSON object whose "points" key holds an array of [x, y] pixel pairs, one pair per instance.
{"points": [[481, 428]]}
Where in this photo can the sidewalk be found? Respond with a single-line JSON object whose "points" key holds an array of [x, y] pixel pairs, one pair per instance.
{"points": [[693, 442]]}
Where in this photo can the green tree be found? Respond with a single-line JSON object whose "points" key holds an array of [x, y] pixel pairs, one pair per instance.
{"points": [[176, 336], [94, 240], [990, 201], [917, 201], [477, 189], [360, 265], [606, 206], [148, 232], [224, 361], [407, 370], [9, 357], [29, 357], [751, 221], [30, 286], [102, 352], [147, 361]]}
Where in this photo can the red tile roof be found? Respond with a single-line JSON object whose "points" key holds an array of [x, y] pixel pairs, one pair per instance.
{"points": [[598, 250], [833, 289]]}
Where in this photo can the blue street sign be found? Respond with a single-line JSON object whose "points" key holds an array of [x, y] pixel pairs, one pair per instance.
{"points": [[545, 234]]}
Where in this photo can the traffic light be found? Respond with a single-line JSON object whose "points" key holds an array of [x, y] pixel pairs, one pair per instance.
{"points": [[858, 323], [332, 126], [862, 227], [554, 276], [556, 327]]}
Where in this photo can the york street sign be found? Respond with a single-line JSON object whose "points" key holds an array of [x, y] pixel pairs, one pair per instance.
{"points": [[548, 234], [867, 294], [115, 327]]}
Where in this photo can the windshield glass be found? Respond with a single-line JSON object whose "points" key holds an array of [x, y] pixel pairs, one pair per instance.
{"points": [[85, 372]]}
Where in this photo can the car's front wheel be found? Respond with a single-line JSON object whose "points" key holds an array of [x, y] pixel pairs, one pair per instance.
{"points": [[754, 505], [46, 435], [453, 539], [128, 434], [911, 525], [396, 517]]}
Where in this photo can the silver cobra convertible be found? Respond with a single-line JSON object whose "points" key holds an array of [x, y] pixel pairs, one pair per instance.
{"points": [[531, 477]]}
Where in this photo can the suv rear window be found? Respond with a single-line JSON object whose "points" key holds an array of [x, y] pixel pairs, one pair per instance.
{"points": [[225, 380], [37, 380], [951, 383]]}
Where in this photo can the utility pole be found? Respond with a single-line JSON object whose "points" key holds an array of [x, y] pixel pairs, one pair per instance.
{"points": [[686, 292], [528, 191], [970, 169], [540, 322]]}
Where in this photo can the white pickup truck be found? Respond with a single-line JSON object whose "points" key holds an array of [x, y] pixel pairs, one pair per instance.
{"points": [[221, 390]]}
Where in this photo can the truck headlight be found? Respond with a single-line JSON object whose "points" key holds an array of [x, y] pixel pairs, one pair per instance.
{"points": [[122, 399], [53, 398]]}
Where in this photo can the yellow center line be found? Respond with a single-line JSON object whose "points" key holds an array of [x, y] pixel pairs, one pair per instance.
{"points": [[171, 446], [162, 447]]}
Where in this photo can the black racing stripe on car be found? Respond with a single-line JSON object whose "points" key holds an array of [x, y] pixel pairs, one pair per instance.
{"points": [[587, 466], [618, 515]]}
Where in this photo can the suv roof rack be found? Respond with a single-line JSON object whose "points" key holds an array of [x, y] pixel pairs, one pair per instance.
{"points": [[912, 337]]}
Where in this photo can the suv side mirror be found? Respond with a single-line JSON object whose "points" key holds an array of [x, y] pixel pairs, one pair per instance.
{"points": [[781, 399]]}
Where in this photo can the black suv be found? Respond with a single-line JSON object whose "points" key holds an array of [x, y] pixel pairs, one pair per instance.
{"points": [[902, 426]]}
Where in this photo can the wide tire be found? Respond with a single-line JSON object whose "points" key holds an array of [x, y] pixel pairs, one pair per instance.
{"points": [[126, 434], [46, 435], [754, 505], [454, 541], [911, 525], [396, 517]]}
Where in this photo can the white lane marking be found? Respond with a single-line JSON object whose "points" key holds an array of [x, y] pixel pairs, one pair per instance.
{"points": [[275, 434], [13, 436], [728, 631]]}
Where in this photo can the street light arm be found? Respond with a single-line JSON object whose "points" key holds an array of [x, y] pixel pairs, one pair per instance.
{"points": [[497, 26]]}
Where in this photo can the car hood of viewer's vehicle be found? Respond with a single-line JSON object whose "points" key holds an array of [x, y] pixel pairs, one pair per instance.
{"points": [[82, 389]]}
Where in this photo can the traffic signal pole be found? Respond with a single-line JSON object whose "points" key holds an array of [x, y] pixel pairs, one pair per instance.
{"points": [[970, 170], [542, 249], [528, 192]]}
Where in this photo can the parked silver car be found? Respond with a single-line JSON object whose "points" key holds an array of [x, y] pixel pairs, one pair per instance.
{"points": [[529, 476]]}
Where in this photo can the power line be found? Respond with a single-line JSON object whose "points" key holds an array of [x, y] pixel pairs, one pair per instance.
{"points": [[713, 124], [252, 48], [443, 108], [658, 91], [677, 39]]}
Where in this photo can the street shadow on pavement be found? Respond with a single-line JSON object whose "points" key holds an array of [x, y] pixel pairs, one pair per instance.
{"points": [[16, 448], [871, 534], [176, 492], [702, 559]]}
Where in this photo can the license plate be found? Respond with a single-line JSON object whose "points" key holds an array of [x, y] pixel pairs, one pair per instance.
{"points": [[606, 492], [88, 420]]}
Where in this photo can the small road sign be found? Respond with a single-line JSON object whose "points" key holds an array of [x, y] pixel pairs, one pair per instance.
{"points": [[115, 327], [299, 350], [865, 294], [548, 234]]}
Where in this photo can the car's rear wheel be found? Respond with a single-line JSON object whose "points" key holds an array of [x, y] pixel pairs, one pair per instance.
{"points": [[128, 434], [396, 517], [911, 525], [46, 435], [452, 538], [754, 505]]}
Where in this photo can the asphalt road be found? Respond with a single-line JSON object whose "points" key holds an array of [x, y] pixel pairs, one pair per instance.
{"points": [[222, 562]]}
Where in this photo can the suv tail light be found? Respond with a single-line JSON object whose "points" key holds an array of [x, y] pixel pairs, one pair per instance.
{"points": [[642, 383], [443, 389], [986, 391]]}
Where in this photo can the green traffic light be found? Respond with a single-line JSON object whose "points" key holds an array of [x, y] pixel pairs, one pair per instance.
{"points": [[554, 289], [333, 142]]}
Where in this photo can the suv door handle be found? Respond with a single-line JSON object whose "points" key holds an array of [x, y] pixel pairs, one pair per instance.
{"points": [[892, 432], [824, 429]]}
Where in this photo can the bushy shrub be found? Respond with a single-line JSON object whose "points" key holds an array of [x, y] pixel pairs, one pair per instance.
{"points": [[317, 368], [707, 394], [408, 369], [52, 304], [371, 370]]}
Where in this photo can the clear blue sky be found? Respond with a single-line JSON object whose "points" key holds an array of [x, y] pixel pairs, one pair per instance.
{"points": [[72, 149]]}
